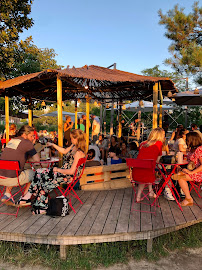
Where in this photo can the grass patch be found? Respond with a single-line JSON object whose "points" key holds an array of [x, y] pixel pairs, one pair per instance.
{"points": [[105, 254]]}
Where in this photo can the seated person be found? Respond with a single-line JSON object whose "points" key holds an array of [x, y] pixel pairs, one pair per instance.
{"points": [[114, 153], [90, 160], [102, 145], [133, 152], [180, 144], [97, 151], [124, 151]]}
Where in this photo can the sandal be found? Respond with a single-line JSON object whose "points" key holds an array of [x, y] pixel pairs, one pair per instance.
{"points": [[27, 202], [39, 211], [152, 195], [187, 202]]}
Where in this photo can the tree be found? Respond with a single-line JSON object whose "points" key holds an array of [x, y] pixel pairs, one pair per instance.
{"points": [[185, 32], [174, 76], [13, 20], [29, 59]]}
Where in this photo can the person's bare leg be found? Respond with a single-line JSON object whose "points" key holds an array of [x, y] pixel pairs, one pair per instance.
{"points": [[27, 188], [8, 190], [151, 192], [139, 192], [184, 186]]}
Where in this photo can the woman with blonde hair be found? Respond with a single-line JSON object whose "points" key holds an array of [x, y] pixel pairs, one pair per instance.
{"points": [[67, 128], [150, 149], [45, 182]]}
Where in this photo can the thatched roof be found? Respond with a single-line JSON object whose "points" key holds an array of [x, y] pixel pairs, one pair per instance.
{"points": [[103, 84]]}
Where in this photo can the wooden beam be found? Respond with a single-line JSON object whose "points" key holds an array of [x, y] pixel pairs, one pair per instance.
{"points": [[155, 107], [87, 122], [76, 120], [120, 126], [101, 118], [160, 109], [7, 117], [112, 119], [30, 117], [60, 121]]}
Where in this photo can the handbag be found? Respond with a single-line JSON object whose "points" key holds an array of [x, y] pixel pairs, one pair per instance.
{"points": [[58, 207], [191, 166], [168, 159]]}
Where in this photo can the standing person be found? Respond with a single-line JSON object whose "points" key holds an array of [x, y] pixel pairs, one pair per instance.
{"points": [[95, 128], [67, 128], [20, 149], [45, 182], [194, 146], [84, 122], [150, 149]]}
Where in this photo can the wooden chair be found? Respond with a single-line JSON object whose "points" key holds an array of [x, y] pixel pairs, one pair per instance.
{"points": [[145, 165], [69, 190], [14, 166]]}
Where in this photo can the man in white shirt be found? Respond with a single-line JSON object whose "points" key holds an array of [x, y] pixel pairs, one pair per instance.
{"points": [[95, 128]]}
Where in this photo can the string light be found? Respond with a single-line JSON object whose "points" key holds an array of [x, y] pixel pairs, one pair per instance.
{"points": [[23, 99], [196, 91], [169, 94], [43, 104], [141, 103]]}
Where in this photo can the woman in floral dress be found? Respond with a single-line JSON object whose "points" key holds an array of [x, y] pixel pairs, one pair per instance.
{"points": [[47, 180], [194, 146]]}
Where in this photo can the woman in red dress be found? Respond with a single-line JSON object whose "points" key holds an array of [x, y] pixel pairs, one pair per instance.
{"points": [[194, 146], [150, 149]]}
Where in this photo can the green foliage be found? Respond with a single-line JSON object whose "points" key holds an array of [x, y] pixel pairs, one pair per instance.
{"points": [[185, 33], [174, 76], [30, 59], [91, 256], [14, 19]]}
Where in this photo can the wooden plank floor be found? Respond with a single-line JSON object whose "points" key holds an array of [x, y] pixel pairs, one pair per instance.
{"points": [[105, 216]]}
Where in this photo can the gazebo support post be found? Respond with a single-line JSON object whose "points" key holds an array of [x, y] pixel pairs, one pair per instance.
{"points": [[155, 108], [112, 118], [87, 122], [104, 120], [160, 109], [30, 113], [120, 127], [76, 119], [60, 121], [7, 117], [139, 124], [101, 118]]}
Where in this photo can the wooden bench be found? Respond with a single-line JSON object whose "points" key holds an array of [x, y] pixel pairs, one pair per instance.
{"points": [[105, 177]]}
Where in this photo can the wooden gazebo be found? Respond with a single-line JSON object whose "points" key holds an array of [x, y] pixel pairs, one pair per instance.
{"points": [[99, 83]]}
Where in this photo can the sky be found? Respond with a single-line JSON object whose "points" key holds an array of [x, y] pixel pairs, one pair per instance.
{"points": [[103, 32]]}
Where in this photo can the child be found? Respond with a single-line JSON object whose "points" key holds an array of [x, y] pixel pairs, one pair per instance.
{"points": [[114, 152]]}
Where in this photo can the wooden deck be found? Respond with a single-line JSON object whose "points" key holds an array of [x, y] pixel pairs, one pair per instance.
{"points": [[105, 216]]}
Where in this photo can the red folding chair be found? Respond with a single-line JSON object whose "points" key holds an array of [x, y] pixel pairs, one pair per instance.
{"points": [[14, 166], [145, 165], [69, 191], [196, 186]]}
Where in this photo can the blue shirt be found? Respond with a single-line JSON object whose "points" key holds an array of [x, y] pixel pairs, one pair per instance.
{"points": [[114, 161]]}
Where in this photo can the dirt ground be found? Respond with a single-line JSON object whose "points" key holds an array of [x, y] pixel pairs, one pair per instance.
{"points": [[181, 260]]}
